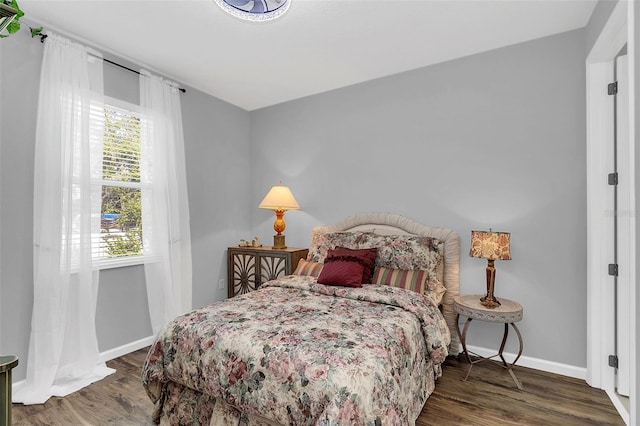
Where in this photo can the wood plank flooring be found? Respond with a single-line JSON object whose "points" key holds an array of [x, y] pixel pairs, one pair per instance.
{"points": [[488, 398]]}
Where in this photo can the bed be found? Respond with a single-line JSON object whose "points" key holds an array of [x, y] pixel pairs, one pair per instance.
{"points": [[315, 348]]}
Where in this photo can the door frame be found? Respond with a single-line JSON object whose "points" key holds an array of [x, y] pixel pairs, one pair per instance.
{"points": [[600, 294]]}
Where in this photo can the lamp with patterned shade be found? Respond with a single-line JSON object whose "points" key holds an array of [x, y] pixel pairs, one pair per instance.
{"points": [[279, 199], [490, 245]]}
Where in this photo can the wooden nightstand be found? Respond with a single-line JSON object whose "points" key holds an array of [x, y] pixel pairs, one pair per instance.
{"points": [[249, 267], [508, 313]]}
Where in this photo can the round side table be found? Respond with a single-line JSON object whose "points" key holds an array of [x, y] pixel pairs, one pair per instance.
{"points": [[7, 363], [508, 313]]}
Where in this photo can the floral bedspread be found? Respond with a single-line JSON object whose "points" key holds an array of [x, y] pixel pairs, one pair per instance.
{"points": [[303, 353]]}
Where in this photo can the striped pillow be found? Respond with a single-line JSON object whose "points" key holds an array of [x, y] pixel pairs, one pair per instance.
{"points": [[308, 268], [415, 280]]}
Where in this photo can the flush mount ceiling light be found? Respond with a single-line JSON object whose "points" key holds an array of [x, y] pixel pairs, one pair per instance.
{"points": [[255, 10]]}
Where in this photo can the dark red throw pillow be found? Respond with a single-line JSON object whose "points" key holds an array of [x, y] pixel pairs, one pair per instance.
{"points": [[341, 271], [368, 257]]}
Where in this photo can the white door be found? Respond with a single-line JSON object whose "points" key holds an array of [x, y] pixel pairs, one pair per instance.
{"points": [[625, 228]]}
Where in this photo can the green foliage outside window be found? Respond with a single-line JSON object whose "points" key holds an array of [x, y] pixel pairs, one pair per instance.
{"points": [[122, 234]]}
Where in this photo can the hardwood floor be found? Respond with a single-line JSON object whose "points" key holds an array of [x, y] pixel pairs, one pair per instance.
{"points": [[118, 399], [488, 398]]}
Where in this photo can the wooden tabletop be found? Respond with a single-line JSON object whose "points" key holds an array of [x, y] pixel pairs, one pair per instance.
{"points": [[469, 305]]}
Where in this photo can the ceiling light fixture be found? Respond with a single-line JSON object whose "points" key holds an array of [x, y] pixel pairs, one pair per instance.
{"points": [[255, 10]]}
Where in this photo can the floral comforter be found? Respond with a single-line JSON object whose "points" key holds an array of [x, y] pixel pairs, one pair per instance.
{"points": [[300, 353]]}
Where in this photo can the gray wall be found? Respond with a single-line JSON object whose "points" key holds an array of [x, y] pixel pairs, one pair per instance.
{"points": [[20, 61], [495, 140], [217, 156], [597, 22]]}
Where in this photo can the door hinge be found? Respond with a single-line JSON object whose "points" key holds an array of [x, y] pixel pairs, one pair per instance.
{"points": [[613, 361], [612, 88], [612, 178], [613, 269]]}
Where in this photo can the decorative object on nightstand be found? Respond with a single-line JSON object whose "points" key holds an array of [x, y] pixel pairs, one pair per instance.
{"points": [[279, 199], [491, 246], [253, 243], [249, 267], [508, 313]]}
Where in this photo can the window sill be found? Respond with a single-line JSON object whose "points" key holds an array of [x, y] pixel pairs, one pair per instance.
{"points": [[124, 262]]}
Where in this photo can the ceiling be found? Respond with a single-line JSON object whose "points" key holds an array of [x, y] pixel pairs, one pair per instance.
{"points": [[319, 45]]}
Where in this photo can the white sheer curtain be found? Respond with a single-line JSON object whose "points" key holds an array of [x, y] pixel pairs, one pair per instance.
{"points": [[165, 208], [63, 348]]}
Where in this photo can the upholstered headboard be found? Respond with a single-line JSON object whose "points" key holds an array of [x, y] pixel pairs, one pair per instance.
{"points": [[394, 224]]}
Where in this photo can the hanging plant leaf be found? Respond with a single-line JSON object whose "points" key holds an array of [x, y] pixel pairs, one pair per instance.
{"points": [[14, 25], [14, 5], [36, 32]]}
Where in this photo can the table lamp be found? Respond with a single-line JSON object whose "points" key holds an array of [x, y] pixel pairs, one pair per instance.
{"points": [[491, 246], [279, 199]]}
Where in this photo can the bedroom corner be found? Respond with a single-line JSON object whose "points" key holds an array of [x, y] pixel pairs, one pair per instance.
{"points": [[472, 143]]}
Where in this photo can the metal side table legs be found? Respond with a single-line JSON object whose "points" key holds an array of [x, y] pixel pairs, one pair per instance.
{"points": [[509, 367]]}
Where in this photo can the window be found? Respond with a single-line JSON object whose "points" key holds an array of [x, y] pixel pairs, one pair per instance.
{"points": [[120, 238]]}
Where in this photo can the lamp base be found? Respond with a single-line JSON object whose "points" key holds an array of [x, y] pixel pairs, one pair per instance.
{"points": [[278, 242], [489, 301]]}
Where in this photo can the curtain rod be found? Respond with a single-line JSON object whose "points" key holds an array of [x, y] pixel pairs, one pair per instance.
{"points": [[44, 36]]}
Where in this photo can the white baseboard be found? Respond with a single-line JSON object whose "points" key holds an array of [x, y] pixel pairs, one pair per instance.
{"points": [[126, 349], [536, 363], [18, 385]]}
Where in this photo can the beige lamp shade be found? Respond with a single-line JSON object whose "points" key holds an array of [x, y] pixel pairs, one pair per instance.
{"points": [[490, 245], [279, 197]]}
